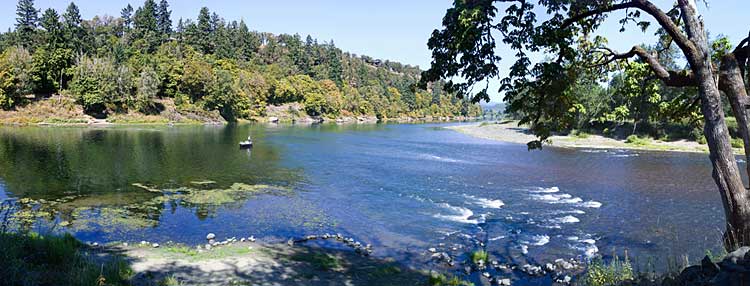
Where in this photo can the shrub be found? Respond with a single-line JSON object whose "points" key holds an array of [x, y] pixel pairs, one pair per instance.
{"points": [[635, 140], [615, 272], [737, 143], [479, 255], [579, 134]]}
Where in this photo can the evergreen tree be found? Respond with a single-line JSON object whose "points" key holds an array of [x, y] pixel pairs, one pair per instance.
{"points": [[205, 30], [164, 21], [52, 28], [26, 21], [334, 63], [127, 18], [72, 28], [145, 25]]}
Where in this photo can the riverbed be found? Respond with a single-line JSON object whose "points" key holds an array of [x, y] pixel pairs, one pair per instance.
{"points": [[403, 188]]}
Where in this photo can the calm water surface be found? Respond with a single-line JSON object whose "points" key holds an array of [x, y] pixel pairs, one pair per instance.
{"points": [[402, 188]]}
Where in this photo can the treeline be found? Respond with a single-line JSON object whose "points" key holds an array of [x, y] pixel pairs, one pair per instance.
{"points": [[127, 63]]}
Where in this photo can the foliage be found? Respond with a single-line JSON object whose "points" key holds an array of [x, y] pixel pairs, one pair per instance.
{"points": [[479, 255], [441, 280], [322, 261], [127, 63], [34, 259], [614, 272]]}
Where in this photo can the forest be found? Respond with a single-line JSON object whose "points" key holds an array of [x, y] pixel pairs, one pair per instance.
{"points": [[132, 63]]}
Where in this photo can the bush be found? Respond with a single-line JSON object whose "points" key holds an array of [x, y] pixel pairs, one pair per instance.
{"points": [[579, 134], [441, 280], [479, 255], [737, 143], [615, 272], [635, 140]]}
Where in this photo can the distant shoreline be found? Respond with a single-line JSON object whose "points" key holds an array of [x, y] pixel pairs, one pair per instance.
{"points": [[513, 133]]}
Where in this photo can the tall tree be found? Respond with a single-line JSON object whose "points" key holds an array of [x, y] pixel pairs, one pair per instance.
{"points": [[145, 25], [27, 18], [74, 32], [164, 21], [205, 31], [465, 48], [127, 18], [53, 29]]}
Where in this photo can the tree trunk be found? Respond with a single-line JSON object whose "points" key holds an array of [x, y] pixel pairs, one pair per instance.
{"points": [[725, 171], [733, 86]]}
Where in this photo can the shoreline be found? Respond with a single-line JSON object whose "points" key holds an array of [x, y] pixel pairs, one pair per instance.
{"points": [[511, 132]]}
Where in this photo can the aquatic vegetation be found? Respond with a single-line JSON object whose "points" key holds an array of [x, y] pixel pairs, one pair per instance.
{"points": [[441, 280], [479, 256], [109, 217], [321, 261]]}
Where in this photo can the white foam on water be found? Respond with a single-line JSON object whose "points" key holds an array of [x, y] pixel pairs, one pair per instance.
{"points": [[524, 249], [594, 150], [497, 238], [588, 241], [460, 214], [568, 219], [557, 198], [591, 204], [546, 190], [572, 238], [590, 251], [539, 240], [440, 159], [486, 203]]}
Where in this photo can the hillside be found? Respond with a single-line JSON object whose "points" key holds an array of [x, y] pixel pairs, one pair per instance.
{"points": [[141, 67]]}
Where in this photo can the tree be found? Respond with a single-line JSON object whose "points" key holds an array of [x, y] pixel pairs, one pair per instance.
{"points": [[127, 18], [466, 44], [163, 20], [72, 28], [146, 27], [53, 30], [205, 31], [27, 18]]}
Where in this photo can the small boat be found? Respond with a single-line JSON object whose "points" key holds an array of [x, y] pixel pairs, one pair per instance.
{"points": [[247, 143]]}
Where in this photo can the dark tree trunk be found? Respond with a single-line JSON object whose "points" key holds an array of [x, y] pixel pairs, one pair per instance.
{"points": [[726, 174]]}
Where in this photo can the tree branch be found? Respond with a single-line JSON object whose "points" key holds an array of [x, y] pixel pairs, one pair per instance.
{"points": [[668, 77], [661, 17]]}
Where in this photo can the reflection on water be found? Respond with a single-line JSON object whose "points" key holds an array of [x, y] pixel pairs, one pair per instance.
{"points": [[402, 188]]}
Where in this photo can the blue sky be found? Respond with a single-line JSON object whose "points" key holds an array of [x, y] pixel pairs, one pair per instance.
{"points": [[386, 29]]}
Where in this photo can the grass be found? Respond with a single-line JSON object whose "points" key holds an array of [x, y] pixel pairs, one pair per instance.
{"points": [[442, 280], [579, 134], [479, 255], [321, 261], [614, 272], [636, 140], [34, 259]]}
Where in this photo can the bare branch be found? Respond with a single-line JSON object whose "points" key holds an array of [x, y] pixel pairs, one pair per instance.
{"points": [[668, 77]]}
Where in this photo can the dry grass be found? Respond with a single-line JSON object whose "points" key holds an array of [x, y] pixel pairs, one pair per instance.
{"points": [[53, 110]]}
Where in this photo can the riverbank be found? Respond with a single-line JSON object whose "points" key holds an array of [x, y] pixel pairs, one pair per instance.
{"points": [[510, 131], [64, 111], [32, 259]]}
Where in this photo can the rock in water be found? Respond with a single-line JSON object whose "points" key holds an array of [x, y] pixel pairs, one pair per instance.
{"points": [[210, 236], [155, 245], [737, 255]]}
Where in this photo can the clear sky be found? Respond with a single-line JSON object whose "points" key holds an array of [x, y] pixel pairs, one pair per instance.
{"points": [[387, 29]]}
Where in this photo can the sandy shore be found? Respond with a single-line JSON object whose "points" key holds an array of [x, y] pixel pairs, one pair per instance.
{"points": [[511, 132]]}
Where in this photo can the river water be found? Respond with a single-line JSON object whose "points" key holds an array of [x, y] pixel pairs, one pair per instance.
{"points": [[401, 188]]}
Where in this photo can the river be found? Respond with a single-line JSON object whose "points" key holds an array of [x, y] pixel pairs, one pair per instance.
{"points": [[401, 188]]}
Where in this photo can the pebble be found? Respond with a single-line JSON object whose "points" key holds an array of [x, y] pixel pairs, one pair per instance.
{"points": [[208, 246], [155, 245], [251, 238]]}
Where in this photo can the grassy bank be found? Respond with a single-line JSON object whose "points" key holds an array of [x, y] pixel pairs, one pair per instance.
{"points": [[34, 259]]}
